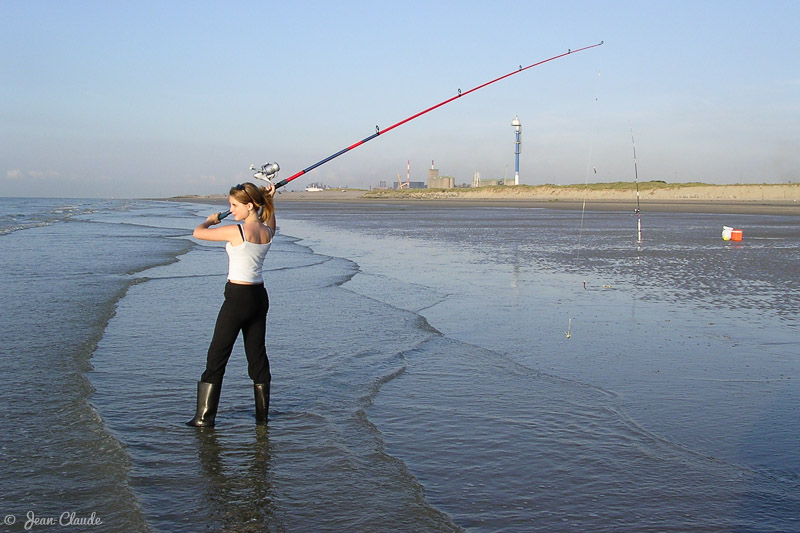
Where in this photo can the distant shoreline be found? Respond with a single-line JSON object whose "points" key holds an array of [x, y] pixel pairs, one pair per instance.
{"points": [[774, 199]]}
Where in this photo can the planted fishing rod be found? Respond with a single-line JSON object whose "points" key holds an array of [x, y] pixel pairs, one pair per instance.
{"points": [[378, 131], [638, 211]]}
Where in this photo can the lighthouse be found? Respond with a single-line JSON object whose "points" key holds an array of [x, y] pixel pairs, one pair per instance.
{"points": [[518, 130]]}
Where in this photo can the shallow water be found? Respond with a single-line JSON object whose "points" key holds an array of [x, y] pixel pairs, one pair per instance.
{"points": [[57, 299], [689, 344], [422, 378]]}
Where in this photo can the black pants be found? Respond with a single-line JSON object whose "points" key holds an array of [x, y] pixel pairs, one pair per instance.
{"points": [[244, 309]]}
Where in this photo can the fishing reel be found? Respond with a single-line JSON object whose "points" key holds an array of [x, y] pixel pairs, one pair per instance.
{"points": [[266, 172]]}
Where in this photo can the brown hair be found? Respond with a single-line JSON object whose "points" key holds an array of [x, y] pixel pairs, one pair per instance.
{"points": [[247, 193]]}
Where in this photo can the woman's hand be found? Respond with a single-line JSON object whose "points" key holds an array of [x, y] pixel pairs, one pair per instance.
{"points": [[269, 189], [213, 219]]}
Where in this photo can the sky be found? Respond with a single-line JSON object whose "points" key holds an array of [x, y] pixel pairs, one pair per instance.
{"points": [[155, 99]]}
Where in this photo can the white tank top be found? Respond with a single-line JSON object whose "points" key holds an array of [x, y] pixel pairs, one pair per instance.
{"points": [[246, 260]]}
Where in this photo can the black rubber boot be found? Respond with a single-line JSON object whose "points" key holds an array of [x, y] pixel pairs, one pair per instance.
{"points": [[207, 402], [261, 391]]}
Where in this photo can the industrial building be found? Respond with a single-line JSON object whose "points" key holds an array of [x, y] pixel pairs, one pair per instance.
{"points": [[448, 182], [436, 182]]}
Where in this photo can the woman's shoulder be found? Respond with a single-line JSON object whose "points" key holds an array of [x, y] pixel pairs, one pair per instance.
{"points": [[264, 231]]}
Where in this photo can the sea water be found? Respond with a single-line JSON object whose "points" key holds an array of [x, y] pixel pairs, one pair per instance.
{"points": [[581, 380], [423, 378]]}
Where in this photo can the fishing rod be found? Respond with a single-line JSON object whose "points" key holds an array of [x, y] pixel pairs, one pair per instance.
{"points": [[638, 211], [379, 131]]}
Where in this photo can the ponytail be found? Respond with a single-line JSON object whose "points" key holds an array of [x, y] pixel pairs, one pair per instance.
{"points": [[267, 208], [247, 193]]}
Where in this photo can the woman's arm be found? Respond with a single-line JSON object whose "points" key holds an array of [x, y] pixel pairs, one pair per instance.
{"points": [[271, 222], [206, 233]]}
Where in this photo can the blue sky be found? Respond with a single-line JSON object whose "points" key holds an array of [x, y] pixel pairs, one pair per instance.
{"points": [[133, 99]]}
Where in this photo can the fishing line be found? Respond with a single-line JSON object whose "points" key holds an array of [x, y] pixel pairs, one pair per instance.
{"points": [[586, 191], [583, 213], [590, 170]]}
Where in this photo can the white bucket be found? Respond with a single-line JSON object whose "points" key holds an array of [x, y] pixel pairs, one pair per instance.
{"points": [[726, 233]]}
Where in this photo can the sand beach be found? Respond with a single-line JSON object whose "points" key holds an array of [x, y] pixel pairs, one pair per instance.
{"points": [[776, 199]]}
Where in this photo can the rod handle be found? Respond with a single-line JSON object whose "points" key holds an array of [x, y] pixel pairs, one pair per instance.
{"points": [[224, 214]]}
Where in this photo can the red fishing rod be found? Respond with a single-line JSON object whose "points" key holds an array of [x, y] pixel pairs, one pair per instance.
{"points": [[379, 131], [270, 170]]}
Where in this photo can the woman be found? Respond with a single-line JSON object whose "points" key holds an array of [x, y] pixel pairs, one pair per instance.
{"points": [[246, 302]]}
